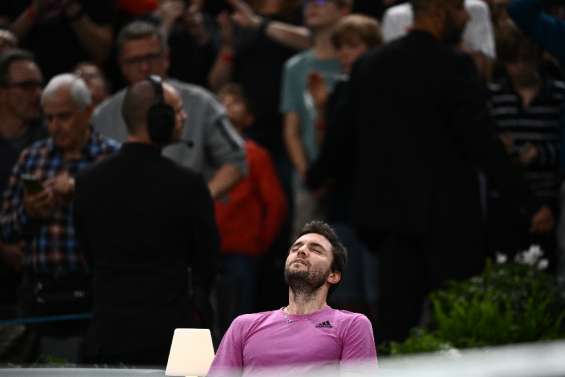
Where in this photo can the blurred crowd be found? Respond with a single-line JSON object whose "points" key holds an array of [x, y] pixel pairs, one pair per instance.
{"points": [[425, 163]]}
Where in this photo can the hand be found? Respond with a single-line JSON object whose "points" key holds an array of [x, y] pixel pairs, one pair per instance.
{"points": [[171, 10], [542, 221], [13, 255], [39, 205], [244, 16], [318, 90], [508, 142], [528, 154], [62, 186], [194, 22]]}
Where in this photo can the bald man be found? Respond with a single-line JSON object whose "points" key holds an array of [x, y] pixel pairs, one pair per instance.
{"points": [[143, 221]]}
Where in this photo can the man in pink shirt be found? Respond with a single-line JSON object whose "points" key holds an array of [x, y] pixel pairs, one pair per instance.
{"points": [[307, 334]]}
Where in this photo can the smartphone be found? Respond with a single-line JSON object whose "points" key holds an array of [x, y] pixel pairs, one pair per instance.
{"points": [[31, 184]]}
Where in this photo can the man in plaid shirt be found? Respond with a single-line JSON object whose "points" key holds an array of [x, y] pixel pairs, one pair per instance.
{"points": [[56, 274]]}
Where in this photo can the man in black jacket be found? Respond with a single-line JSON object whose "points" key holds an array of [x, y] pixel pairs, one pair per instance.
{"points": [[143, 221], [415, 127]]}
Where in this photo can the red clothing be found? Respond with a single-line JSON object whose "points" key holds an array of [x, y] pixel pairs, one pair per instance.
{"points": [[138, 7], [250, 218]]}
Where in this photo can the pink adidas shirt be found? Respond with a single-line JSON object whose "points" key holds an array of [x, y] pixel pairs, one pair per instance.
{"points": [[297, 343]]}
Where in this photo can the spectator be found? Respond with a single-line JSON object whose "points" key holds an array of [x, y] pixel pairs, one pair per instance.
{"points": [[95, 80], [254, 59], [306, 334], [542, 27], [80, 28], [209, 144], [353, 36], [20, 126], [419, 136], [20, 109], [56, 273], [249, 217], [549, 32], [188, 32], [549, 66], [295, 36], [296, 105], [526, 106], [143, 221]]}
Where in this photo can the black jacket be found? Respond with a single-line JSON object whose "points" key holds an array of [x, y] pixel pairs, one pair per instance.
{"points": [[415, 129], [142, 221]]}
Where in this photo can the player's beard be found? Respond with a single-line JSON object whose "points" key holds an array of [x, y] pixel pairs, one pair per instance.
{"points": [[305, 282]]}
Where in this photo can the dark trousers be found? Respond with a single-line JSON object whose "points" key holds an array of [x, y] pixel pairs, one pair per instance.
{"points": [[45, 298], [410, 267]]}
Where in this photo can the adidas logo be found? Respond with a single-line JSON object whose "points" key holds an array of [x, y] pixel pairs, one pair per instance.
{"points": [[325, 324]]}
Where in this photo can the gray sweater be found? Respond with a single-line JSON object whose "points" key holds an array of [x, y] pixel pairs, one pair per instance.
{"points": [[208, 139]]}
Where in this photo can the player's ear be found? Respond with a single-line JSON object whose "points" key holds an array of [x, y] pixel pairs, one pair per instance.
{"points": [[334, 277]]}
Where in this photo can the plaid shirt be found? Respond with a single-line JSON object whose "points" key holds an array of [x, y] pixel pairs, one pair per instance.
{"points": [[51, 245]]}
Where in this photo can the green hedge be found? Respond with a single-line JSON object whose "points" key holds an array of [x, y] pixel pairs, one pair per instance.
{"points": [[510, 302]]}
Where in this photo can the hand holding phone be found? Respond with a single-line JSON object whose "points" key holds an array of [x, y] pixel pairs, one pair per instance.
{"points": [[38, 201]]}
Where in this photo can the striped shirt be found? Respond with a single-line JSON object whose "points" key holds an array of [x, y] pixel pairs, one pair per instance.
{"points": [[538, 124], [50, 244]]}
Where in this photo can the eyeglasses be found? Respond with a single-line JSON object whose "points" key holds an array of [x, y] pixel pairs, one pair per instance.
{"points": [[149, 59], [27, 85]]}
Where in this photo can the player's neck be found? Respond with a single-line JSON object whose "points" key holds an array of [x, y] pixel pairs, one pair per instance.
{"points": [[302, 303]]}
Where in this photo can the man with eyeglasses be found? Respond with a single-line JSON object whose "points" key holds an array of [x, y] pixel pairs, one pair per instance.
{"points": [[20, 126], [209, 144], [20, 110]]}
